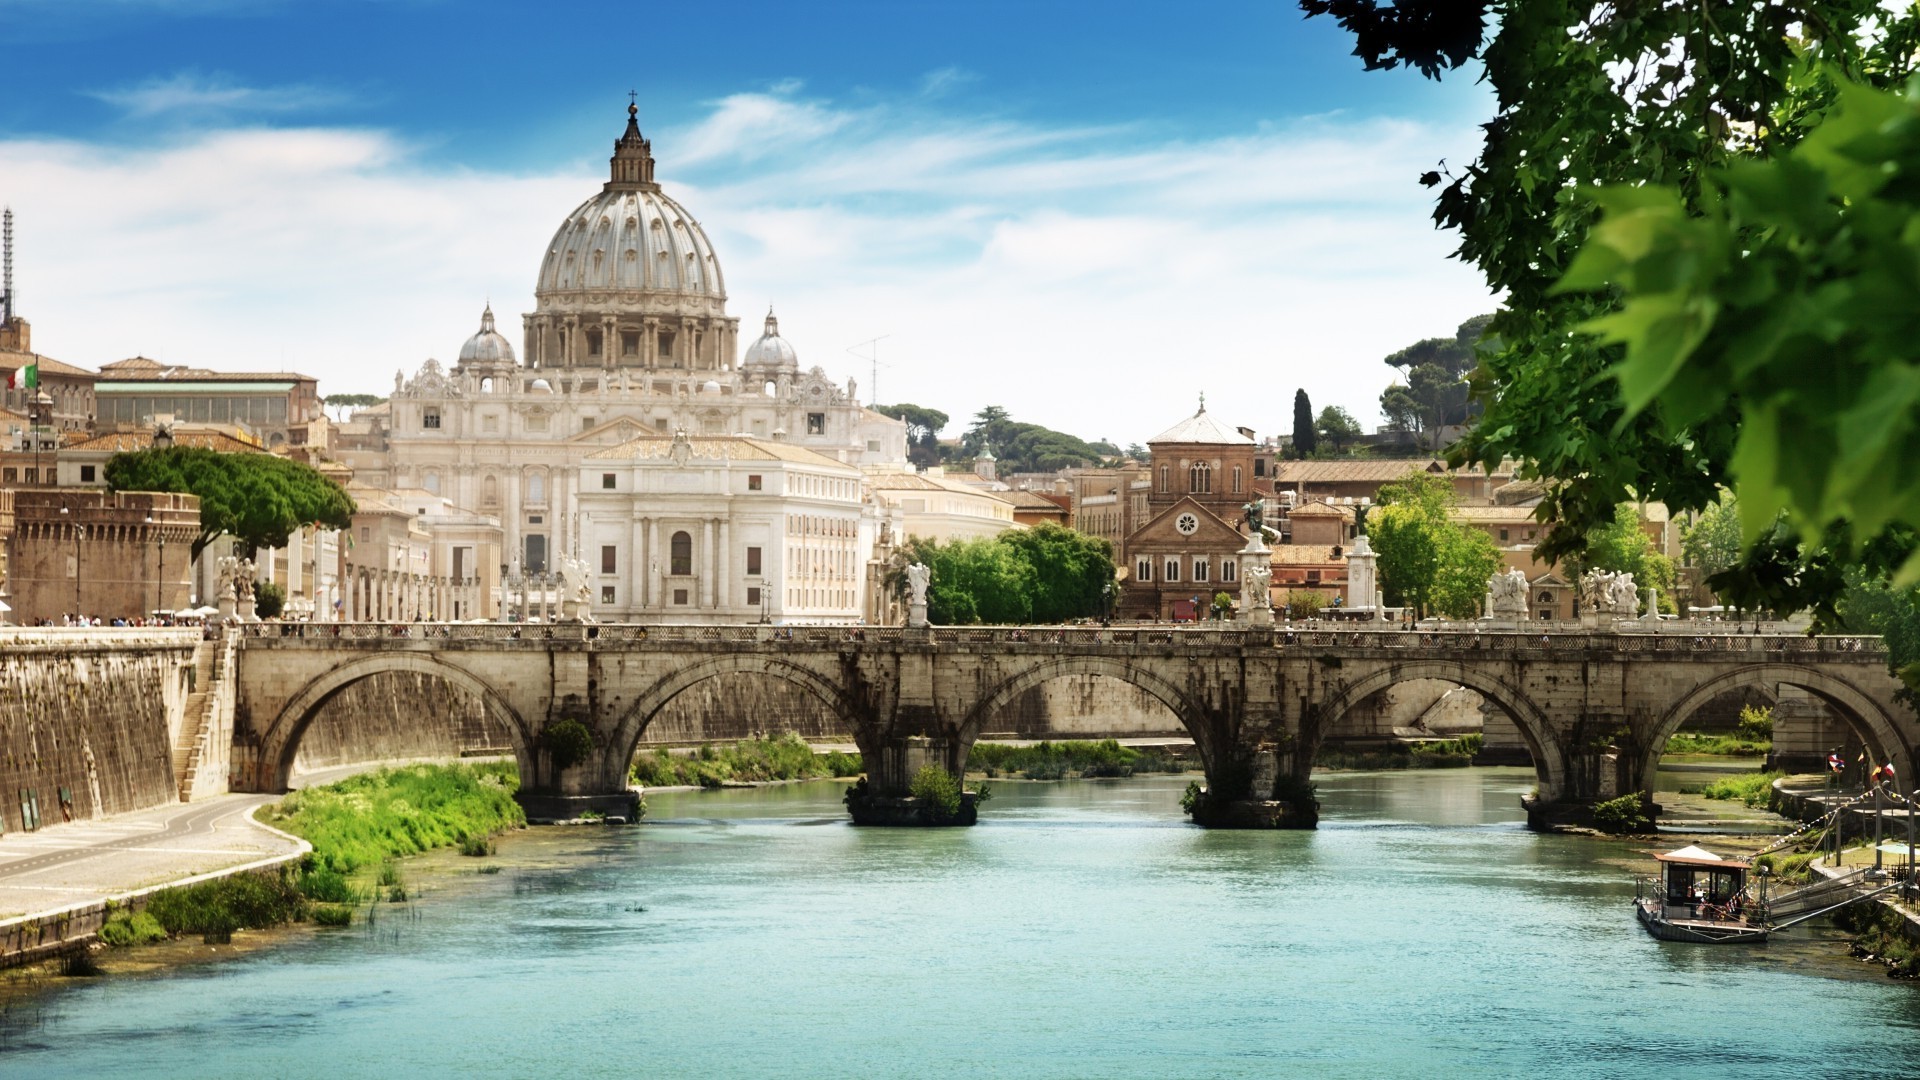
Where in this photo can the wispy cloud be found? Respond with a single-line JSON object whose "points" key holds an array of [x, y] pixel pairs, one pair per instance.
{"points": [[944, 80], [193, 93], [1091, 279]]}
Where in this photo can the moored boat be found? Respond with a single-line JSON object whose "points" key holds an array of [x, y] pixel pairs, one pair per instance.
{"points": [[1702, 898]]}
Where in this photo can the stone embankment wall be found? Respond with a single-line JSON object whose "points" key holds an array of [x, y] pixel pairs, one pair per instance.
{"points": [[93, 713]]}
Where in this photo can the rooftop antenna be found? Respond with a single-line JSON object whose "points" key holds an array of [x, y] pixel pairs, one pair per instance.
{"points": [[6, 272], [874, 365]]}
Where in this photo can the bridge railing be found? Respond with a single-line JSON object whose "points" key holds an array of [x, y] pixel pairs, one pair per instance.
{"points": [[1282, 637]]}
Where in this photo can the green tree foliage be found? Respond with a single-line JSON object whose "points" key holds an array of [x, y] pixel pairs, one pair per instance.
{"points": [[342, 404], [1304, 436], [269, 599], [1712, 542], [1030, 447], [1427, 561], [1435, 392], [1622, 545], [259, 499], [1689, 115], [1303, 604], [1337, 428], [923, 430], [1870, 605], [1043, 574]]}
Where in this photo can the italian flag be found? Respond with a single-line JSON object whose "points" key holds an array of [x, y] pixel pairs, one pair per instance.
{"points": [[27, 378]]}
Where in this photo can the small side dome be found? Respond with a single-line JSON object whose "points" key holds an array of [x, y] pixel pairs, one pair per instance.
{"points": [[772, 350], [487, 346], [711, 386]]}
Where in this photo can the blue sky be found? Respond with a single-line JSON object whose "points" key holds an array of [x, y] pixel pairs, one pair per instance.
{"points": [[1085, 213]]}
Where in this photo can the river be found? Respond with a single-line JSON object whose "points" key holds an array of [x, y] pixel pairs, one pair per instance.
{"points": [[1081, 930]]}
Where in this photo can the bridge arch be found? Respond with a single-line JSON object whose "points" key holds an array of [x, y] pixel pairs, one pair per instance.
{"points": [[1858, 708], [1527, 716], [1189, 712], [280, 743], [647, 705]]}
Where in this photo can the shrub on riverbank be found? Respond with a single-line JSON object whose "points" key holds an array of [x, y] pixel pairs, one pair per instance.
{"points": [[1059, 760], [368, 819], [132, 928], [1626, 814], [1753, 789], [783, 757], [1433, 754], [215, 909], [1693, 742]]}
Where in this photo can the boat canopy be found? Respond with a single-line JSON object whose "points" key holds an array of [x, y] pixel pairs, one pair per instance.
{"points": [[1699, 856]]}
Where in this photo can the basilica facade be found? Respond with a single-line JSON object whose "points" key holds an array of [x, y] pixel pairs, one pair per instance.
{"points": [[629, 340]]}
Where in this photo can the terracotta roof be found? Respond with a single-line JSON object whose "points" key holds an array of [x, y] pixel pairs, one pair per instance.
{"points": [[1309, 472], [713, 448], [141, 440], [1320, 509], [906, 481], [144, 369], [13, 361], [1029, 500]]}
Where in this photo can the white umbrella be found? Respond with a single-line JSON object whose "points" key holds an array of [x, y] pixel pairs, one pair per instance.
{"points": [[203, 611], [186, 613]]}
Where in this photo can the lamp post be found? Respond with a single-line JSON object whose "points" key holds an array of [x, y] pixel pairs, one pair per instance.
{"points": [[73, 523], [38, 409], [159, 568]]}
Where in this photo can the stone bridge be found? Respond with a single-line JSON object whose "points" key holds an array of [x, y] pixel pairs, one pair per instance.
{"points": [[1595, 708]]}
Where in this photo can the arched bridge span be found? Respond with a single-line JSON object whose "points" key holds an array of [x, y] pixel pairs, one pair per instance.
{"points": [[1594, 707]]}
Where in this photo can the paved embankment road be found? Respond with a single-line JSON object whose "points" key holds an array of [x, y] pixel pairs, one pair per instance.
{"points": [[90, 860]]}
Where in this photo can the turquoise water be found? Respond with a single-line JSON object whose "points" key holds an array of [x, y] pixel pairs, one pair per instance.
{"points": [[1080, 931]]}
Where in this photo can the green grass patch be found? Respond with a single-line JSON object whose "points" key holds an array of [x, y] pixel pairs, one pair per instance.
{"points": [[1061, 760], [1693, 742], [1790, 869], [1432, 754], [783, 757], [369, 819], [332, 915], [1753, 789]]}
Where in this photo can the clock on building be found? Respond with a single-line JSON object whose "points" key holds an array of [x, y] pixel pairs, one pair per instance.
{"points": [[1187, 524]]}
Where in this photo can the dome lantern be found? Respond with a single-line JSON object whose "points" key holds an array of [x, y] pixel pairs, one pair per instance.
{"points": [[632, 159]]}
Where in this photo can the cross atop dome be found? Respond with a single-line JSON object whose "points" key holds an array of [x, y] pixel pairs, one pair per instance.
{"points": [[632, 154]]}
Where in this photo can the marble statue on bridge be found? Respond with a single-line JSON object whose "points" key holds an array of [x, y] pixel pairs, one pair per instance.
{"points": [[1509, 592]]}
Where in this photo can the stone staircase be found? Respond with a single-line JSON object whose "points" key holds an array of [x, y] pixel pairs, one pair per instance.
{"points": [[212, 663]]}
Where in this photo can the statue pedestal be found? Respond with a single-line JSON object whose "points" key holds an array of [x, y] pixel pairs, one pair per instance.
{"points": [[917, 615], [227, 610]]}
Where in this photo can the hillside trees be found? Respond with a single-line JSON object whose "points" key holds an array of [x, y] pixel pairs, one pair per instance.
{"points": [[1337, 428], [1030, 447], [923, 430]]}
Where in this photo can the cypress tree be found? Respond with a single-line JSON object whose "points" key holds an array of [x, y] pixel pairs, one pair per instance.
{"points": [[1304, 440]]}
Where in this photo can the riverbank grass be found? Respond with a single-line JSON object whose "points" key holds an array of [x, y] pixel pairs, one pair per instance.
{"points": [[1060, 760], [756, 760], [1429, 754], [368, 820], [1753, 789]]}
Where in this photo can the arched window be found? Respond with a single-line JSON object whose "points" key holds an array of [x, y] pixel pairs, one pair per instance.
{"points": [[1236, 479], [490, 491], [536, 489], [1227, 572], [1200, 478], [1163, 478], [682, 557]]}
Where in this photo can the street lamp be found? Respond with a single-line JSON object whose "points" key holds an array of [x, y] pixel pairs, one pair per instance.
{"points": [[159, 569], [73, 522]]}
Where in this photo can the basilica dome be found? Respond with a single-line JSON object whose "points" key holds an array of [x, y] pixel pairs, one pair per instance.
{"points": [[631, 245], [772, 350], [487, 346]]}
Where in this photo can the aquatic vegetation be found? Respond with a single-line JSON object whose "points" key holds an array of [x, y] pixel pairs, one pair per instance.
{"points": [[332, 915], [132, 928], [938, 792], [782, 757], [1626, 814], [215, 909]]}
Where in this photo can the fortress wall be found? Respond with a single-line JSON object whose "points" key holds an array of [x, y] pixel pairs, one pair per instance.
{"points": [[91, 712]]}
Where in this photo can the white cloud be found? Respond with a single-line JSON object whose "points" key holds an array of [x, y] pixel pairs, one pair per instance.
{"points": [[1092, 280], [193, 93]]}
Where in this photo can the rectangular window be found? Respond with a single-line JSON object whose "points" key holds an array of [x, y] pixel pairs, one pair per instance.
{"points": [[1173, 569], [1503, 536], [430, 419], [366, 534], [1259, 467], [609, 559], [586, 423], [753, 482], [608, 481], [679, 595], [753, 560], [1199, 569], [1143, 570], [607, 593], [753, 596], [629, 343], [86, 474], [816, 423], [666, 346], [536, 519], [490, 423]]}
